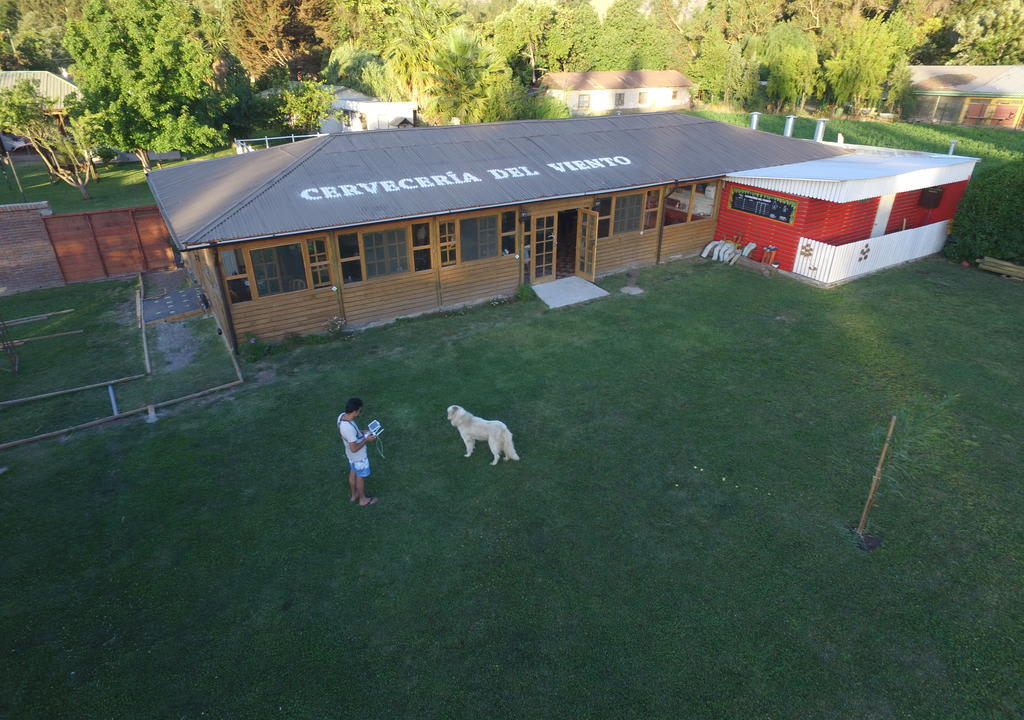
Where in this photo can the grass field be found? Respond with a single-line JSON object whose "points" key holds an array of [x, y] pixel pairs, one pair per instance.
{"points": [[672, 544], [120, 186], [185, 357]]}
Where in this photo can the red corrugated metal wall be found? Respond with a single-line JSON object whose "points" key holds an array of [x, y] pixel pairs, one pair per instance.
{"points": [[834, 223], [905, 207]]}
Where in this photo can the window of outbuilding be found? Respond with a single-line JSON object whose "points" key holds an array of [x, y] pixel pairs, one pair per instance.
{"points": [[603, 208], [620, 99], [319, 265], [421, 246], [627, 213], [232, 264], [446, 242], [677, 206], [642, 97], [478, 237], [348, 252], [508, 232], [385, 252], [583, 102], [279, 269]]}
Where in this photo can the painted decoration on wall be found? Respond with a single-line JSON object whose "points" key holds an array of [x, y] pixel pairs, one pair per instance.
{"points": [[768, 206]]}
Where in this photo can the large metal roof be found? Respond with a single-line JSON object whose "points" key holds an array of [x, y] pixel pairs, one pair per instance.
{"points": [[357, 178]]}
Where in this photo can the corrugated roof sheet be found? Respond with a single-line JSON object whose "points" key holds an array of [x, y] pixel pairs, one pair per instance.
{"points": [[363, 177], [994, 80], [50, 86], [859, 176], [615, 80]]}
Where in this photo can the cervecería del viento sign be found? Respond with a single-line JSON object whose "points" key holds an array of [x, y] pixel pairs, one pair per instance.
{"points": [[454, 177], [767, 206]]}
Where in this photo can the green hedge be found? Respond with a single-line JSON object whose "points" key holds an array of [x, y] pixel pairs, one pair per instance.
{"points": [[990, 221]]}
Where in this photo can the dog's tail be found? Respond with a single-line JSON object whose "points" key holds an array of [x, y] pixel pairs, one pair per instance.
{"points": [[507, 447]]}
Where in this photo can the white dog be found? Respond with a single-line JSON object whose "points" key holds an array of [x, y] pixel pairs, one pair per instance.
{"points": [[472, 428]]}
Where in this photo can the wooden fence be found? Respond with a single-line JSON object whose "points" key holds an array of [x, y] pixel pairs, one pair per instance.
{"points": [[836, 263], [103, 243]]}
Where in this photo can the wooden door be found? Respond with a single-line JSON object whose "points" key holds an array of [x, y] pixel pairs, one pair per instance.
{"points": [[544, 234], [586, 245]]}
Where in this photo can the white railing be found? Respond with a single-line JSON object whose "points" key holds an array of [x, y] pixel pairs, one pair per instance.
{"points": [[835, 263], [252, 144]]}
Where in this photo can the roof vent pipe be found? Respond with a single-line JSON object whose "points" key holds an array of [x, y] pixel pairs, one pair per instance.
{"points": [[788, 131], [754, 117], [952, 146], [819, 129]]}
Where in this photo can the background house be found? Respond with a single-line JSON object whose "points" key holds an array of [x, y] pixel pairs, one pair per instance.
{"points": [[51, 86], [352, 110], [983, 95], [606, 92]]}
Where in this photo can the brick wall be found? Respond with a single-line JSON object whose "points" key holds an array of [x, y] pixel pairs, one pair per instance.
{"points": [[27, 260]]}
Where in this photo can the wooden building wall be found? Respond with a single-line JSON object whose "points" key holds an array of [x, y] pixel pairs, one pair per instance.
{"points": [[277, 316]]}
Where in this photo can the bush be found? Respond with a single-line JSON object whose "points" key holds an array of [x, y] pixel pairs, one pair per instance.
{"points": [[989, 221]]}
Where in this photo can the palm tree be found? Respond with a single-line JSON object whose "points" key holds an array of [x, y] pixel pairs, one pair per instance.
{"points": [[462, 69]]}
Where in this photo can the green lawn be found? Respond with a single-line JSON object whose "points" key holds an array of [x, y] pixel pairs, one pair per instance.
{"points": [[109, 348], [121, 185], [672, 544]]}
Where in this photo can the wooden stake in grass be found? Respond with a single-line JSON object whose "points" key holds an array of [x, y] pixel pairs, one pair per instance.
{"points": [[876, 479]]}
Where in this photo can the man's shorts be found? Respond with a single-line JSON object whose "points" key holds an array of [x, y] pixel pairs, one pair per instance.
{"points": [[360, 467]]}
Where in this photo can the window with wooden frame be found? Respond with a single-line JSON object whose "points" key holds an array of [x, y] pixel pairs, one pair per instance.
{"points": [[319, 263], [421, 247], [603, 208], [676, 209], [620, 99], [651, 209], [627, 213], [446, 244], [508, 232], [583, 102], [232, 264], [385, 252], [641, 98], [703, 201], [348, 253], [278, 269], [478, 237]]}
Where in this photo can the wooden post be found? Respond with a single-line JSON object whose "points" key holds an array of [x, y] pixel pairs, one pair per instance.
{"points": [[876, 479]]}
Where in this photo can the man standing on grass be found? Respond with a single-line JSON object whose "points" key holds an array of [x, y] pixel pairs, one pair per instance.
{"points": [[355, 450]]}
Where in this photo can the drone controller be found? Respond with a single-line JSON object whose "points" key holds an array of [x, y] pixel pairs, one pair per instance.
{"points": [[375, 427]]}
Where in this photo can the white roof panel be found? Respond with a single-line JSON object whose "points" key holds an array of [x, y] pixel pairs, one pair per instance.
{"points": [[866, 174]]}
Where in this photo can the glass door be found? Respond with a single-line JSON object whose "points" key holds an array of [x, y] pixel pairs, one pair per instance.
{"points": [[544, 239], [586, 245]]}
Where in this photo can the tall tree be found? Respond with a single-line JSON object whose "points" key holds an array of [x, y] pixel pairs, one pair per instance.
{"points": [[521, 33], [863, 61], [146, 79], [421, 33], [791, 58], [571, 42], [463, 68], [992, 34], [67, 155], [289, 34], [630, 40]]}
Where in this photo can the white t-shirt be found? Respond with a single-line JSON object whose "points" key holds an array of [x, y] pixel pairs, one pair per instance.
{"points": [[350, 433]]}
